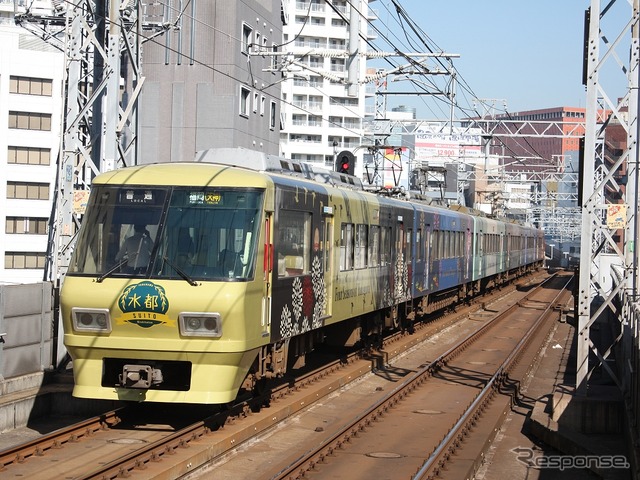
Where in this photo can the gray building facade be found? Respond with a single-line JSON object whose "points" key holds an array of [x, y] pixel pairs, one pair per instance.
{"points": [[208, 80]]}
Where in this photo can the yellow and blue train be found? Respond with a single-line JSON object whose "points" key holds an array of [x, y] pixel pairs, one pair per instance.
{"points": [[249, 261]]}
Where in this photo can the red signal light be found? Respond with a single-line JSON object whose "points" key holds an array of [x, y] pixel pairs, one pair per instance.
{"points": [[345, 162]]}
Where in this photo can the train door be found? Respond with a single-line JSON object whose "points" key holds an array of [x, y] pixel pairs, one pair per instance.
{"points": [[427, 256], [503, 252], [481, 263], [268, 272], [409, 259], [328, 263], [401, 263]]}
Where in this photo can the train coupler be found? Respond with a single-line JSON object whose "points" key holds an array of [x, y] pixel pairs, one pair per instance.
{"points": [[140, 376]]}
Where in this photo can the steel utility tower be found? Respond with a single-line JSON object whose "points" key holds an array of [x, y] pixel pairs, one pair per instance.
{"points": [[101, 40], [608, 35]]}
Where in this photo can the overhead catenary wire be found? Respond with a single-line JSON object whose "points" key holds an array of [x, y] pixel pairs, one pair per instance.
{"points": [[421, 37]]}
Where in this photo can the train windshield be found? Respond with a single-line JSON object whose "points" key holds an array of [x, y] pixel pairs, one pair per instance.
{"points": [[192, 233]]}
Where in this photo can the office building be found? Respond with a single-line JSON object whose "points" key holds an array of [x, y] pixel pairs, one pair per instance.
{"points": [[209, 78]]}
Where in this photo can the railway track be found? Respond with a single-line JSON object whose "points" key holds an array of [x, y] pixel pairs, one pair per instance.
{"points": [[471, 403], [133, 444]]}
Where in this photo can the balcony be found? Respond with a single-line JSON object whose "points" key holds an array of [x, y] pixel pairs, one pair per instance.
{"points": [[315, 7]]}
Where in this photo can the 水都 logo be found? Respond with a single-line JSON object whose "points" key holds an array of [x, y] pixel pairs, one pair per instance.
{"points": [[144, 304]]}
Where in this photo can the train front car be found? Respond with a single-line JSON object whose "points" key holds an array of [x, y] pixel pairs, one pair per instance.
{"points": [[163, 298]]}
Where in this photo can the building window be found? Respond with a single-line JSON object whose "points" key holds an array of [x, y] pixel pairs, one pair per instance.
{"points": [[28, 191], [34, 226], [257, 42], [272, 116], [23, 260], [263, 101], [256, 98], [30, 86], [247, 34], [30, 121], [274, 58], [29, 156], [245, 100]]}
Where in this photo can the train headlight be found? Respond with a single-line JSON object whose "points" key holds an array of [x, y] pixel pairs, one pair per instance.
{"points": [[194, 324], [91, 320]]}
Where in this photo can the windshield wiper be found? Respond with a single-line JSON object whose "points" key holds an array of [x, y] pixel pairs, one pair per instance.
{"points": [[111, 270], [181, 272]]}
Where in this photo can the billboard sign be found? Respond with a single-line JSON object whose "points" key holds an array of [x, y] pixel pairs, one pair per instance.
{"points": [[434, 147]]}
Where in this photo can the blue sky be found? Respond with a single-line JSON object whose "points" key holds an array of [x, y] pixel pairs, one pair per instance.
{"points": [[526, 53]]}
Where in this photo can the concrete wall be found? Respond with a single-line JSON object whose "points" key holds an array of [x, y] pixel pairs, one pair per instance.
{"points": [[26, 322]]}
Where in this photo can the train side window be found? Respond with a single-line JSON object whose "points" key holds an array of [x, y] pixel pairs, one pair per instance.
{"points": [[435, 245], [454, 244], [374, 245], [361, 246], [385, 246], [346, 246], [294, 242], [453, 238], [447, 244]]}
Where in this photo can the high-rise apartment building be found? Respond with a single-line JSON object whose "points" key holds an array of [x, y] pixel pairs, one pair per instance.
{"points": [[31, 102], [321, 115]]}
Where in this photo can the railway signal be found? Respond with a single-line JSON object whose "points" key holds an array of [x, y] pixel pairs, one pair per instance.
{"points": [[346, 162]]}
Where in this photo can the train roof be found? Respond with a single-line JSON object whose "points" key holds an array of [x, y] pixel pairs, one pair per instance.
{"points": [[260, 161], [179, 173]]}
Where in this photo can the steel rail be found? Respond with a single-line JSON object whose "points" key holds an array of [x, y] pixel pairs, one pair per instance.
{"points": [[58, 438], [155, 450], [307, 462], [487, 393]]}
